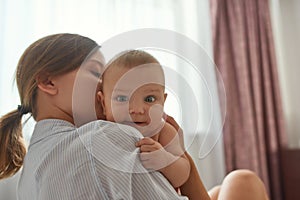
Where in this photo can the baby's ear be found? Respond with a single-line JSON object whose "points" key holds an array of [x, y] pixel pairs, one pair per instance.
{"points": [[165, 96], [100, 98], [46, 84]]}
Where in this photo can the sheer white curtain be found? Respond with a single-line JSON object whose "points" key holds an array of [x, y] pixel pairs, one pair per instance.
{"points": [[24, 21], [286, 27]]}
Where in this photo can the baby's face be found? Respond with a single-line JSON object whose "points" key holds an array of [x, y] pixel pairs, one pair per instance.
{"points": [[135, 97]]}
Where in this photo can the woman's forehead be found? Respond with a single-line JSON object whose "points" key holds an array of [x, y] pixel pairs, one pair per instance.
{"points": [[97, 57]]}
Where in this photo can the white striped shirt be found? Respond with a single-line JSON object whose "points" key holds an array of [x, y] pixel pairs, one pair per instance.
{"points": [[95, 161]]}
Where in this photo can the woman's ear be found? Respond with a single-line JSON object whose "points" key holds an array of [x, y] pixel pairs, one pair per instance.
{"points": [[45, 83], [100, 98]]}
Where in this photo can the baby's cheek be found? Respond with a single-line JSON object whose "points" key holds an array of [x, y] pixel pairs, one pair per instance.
{"points": [[120, 113], [156, 113]]}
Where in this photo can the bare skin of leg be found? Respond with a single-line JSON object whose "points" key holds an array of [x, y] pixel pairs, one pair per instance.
{"points": [[237, 185], [214, 192], [240, 184]]}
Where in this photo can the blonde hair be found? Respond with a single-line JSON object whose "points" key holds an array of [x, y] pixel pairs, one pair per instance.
{"points": [[129, 59], [54, 55]]}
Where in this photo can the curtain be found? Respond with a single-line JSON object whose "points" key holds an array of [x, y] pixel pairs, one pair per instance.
{"points": [[25, 21], [243, 48]]}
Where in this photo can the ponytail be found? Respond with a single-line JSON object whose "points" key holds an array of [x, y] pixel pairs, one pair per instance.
{"points": [[12, 146]]}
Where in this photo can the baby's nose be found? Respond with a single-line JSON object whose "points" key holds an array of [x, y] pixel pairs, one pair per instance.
{"points": [[137, 107]]}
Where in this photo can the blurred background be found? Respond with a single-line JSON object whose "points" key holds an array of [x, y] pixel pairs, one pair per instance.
{"points": [[253, 43]]}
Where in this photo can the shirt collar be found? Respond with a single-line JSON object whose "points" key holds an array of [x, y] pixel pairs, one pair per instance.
{"points": [[47, 127]]}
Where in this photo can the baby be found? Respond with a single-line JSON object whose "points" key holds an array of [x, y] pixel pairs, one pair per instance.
{"points": [[133, 93]]}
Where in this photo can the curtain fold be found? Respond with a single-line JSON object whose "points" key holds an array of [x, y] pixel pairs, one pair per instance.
{"points": [[244, 53]]}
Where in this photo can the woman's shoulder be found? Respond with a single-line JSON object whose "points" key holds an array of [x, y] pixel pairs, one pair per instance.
{"points": [[112, 144], [106, 132]]}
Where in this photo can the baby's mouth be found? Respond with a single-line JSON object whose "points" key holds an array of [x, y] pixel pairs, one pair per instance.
{"points": [[137, 123], [141, 123]]}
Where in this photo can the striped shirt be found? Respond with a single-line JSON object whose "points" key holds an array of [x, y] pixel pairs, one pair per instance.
{"points": [[95, 161]]}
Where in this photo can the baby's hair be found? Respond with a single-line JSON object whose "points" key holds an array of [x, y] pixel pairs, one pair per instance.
{"points": [[52, 55], [130, 59]]}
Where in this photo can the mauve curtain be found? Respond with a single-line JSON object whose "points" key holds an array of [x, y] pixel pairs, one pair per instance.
{"points": [[244, 53]]}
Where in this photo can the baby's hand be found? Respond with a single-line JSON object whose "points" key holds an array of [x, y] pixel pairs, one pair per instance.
{"points": [[153, 155], [147, 144]]}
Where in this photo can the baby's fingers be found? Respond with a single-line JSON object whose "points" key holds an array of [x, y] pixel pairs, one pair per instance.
{"points": [[145, 141], [151, 161], [149, 148]]}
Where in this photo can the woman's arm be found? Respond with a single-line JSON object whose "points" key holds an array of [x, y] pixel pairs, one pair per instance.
{"points": [[193, 188]]}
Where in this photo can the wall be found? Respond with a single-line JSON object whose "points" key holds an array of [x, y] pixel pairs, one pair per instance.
{"points": [[286, 28]]}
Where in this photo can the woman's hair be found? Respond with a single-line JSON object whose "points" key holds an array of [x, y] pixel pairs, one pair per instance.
{"points": [[52, 55]]}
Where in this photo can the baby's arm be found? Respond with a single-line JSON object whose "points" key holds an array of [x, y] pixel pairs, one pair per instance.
{"points": [[177, 172], [170, 160]]}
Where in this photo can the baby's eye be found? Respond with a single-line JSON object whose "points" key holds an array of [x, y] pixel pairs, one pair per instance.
{"points": [[149, 99], [122, 98]]}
